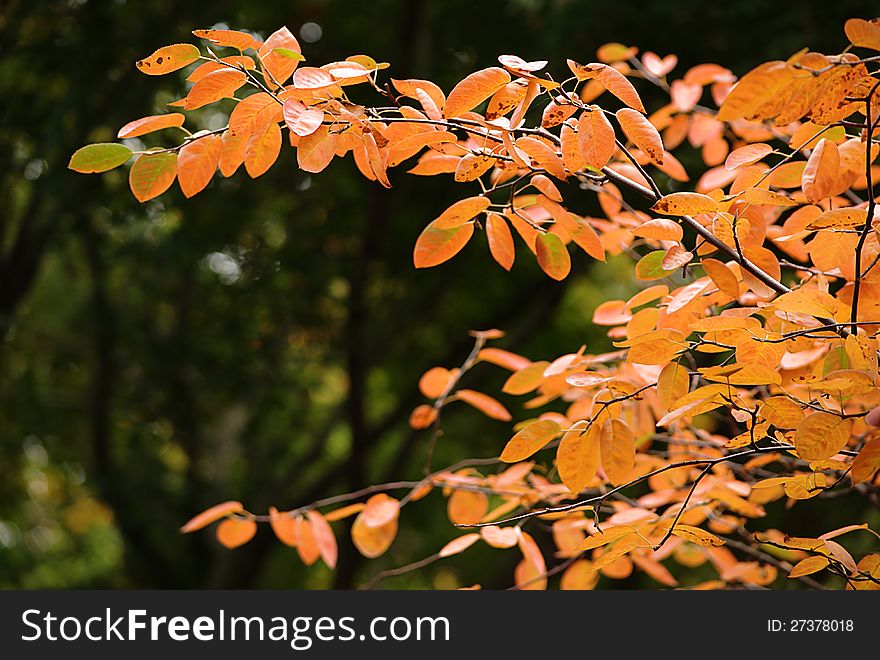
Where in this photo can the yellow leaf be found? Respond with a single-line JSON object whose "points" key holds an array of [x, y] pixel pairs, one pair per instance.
{"points": [[839, 219], [685, 203], [808, 301], [697, 536], [821, 435], [618, 450], [529, 440], [577, 458]]}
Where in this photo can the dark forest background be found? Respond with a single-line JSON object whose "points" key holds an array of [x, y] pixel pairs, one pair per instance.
{"points": [[263, 341]]}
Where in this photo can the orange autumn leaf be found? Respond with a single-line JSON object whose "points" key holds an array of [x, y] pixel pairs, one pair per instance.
{"points": [[197, 162], [500, 240], [459, 545], [150, 124], [213, 514], [262, 150], [484, 403], [168, 59], [595, 137], [372, 542], [152, 174], [324, 537], [529, 440], [234, 532], [474, 89], [641, 133], [553, 257], [285, 527], [436, 245]]}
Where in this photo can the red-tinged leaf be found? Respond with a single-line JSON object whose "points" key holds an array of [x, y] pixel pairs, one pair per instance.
{"points": [[234, 532], [642, 133], [152, 174], [262, 150], [611, 79], [820, 174], [208, 516], [197, 162], [434, 245], [422, 416], [459, 545], [313, 78], [324, 538], [285, 527], [253, 113], [276, 67], [553, 257], [595, 137], [232, 154], [747, 155], [474, 89], [168, 59], [500, 240], [484, 403], [226, 38], [380, 509], [99, 157], [301, 119], [150, 124], [316, 150], [213, 87], [529, 440]]}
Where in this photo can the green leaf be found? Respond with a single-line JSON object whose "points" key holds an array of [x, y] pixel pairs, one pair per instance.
{"points": [[99, 157], [650, 266], [289, 54]]}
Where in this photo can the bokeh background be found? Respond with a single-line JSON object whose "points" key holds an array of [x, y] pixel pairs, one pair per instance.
{"points": [[263, 341]]}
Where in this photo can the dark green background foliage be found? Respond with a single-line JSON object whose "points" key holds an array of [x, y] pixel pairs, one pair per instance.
{"points": [[263, 341]]}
